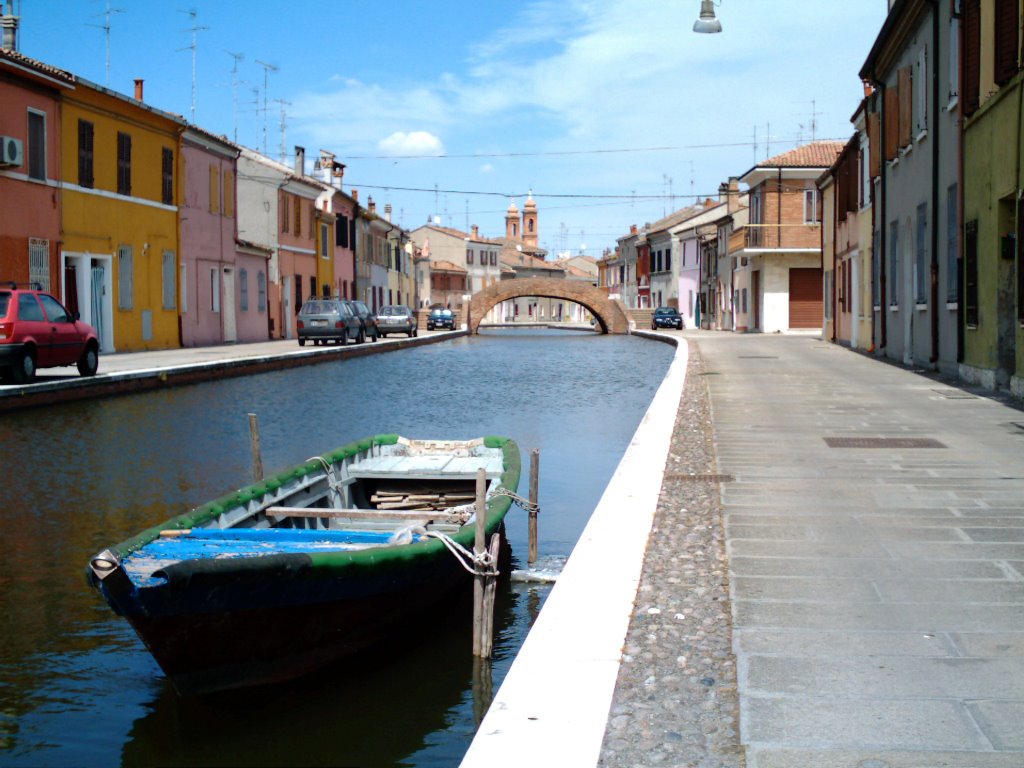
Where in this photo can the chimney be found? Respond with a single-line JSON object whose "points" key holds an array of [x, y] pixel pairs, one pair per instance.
{"points": [[370, 205], [733, 194], [355, 194], [300, 160], [338, 171], [476, 232], [723, 192], [387, 212], [138, 88], [9, 24], [632, 229]]}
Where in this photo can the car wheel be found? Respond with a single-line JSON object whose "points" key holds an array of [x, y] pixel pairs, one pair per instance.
{"points": [[24, 370], [361, 338], [89, 361], [302, 342]]}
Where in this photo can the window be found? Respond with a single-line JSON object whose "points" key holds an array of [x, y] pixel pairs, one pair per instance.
{"points": [[341, 232], [905, 89], [920, 85], [920, 255], [243, 290], [668, 260], [1007, 44], [124, 164], [169, 272], [214, 188], [229, 193], [285, 215], [954, 57], [876, 269], [261, 291], [971, 86], [311, 229], [971, 273], [86, 133], [469, 256], [810, 206], [29, 309], [952, 270], [36, 145], [167, 176], [325, 241], [124, 276], [214, 289], [894, 264], [39, 262], [55, 313], [298, 217]]}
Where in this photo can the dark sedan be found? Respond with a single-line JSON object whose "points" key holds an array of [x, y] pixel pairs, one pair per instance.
{"points": [[666, 317]]}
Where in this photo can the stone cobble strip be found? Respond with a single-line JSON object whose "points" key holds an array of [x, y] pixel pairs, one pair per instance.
{"points": [[675, 700]]}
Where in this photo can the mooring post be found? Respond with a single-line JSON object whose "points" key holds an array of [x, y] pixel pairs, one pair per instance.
{"points": [[254, 440], [490, 588], [479, 545], [534, 481]]}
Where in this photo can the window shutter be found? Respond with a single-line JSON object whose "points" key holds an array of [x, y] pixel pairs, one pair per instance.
{"points": [[906, 96], [1007, 28], [891, 115], [971, 85], [874, 145]]}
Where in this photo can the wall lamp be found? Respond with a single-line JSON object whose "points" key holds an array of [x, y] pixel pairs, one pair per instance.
{"points": [[707, 23]]}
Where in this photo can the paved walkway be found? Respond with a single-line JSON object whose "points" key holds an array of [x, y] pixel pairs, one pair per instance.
{"points": [[875, 536]]}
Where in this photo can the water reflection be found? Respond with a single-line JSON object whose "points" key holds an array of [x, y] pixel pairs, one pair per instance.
{"points": [[77, 687]]}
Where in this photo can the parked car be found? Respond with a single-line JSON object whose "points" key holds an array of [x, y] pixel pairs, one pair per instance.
{"points": [[440, 318], [37, 331], [367, 320], [324, 320], [395, 318], [666, 317]]}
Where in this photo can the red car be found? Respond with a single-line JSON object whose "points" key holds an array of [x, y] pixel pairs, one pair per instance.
{"points": [[36, 331]]}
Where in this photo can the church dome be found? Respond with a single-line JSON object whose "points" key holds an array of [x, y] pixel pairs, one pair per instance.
{"points": [[512, 208], [530, 205]]}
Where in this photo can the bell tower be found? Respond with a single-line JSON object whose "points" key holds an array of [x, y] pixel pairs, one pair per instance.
{"points": [[530, 234], [512, 222]]}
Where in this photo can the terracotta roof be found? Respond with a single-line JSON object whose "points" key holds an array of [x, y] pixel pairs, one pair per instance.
{"points": [[446, 266], [38, 66], [575, 271], [818, 154]]}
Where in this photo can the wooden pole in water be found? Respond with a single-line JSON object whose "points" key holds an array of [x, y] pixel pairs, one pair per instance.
{"points": [[254, 440], [534, 481], [478, 549], [490, 588]]}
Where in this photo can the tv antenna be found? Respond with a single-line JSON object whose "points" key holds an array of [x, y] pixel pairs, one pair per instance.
{"points": [[105, 26], [194, 29], [814, 118], [234, 89], [267, 69], [284, 126]]}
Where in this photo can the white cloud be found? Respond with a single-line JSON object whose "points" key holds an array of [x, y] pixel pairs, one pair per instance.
{"points": [[414, 143], [486, 168]]}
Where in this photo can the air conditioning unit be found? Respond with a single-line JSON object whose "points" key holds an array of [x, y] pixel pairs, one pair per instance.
{"points": [[12, 152]]}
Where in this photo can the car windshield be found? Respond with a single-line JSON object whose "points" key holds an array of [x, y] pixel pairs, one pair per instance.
{"points": [[391, 311], [664, 311], [317, 308]]}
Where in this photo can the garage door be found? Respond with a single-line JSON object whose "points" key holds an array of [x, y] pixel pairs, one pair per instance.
{"points": [[805, 304]]}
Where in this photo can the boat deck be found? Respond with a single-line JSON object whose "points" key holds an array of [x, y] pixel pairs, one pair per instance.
{"points": [[212, 543], [428, 467]]}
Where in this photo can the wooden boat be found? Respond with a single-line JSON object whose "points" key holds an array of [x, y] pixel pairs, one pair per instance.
{"points": [[310, 565]]}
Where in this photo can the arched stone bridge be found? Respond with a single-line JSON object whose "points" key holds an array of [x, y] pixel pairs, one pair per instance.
{"points": [[611, 316]]}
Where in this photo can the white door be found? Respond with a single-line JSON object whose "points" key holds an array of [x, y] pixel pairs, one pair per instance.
{"points": [[287, 292], [227, 306]]}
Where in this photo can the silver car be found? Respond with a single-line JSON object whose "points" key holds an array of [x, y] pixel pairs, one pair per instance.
{"points": [[323, 320], [395, 318]]}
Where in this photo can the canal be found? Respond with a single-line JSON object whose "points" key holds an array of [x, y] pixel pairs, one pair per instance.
{"points": [[76, 685]]}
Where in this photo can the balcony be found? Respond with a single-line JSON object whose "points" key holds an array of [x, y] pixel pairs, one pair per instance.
{"points": [[781, 237]]}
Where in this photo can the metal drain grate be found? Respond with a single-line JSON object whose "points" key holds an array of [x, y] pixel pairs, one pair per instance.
{"points": [[703, 478], [954, 394], [759, 357], [883, 442]]}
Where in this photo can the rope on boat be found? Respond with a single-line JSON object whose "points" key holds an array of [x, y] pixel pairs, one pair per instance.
{"points": [[525, 504], [332, 481], [481, 564]]}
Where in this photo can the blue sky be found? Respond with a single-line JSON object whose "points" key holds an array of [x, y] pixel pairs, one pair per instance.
{"points": [[612, 111]]}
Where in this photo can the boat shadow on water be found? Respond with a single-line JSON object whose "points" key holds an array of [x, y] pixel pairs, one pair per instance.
{"points": [[367, 710]]}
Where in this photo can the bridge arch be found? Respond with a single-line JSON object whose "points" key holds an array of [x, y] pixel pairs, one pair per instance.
{"points": [[610, 315]]}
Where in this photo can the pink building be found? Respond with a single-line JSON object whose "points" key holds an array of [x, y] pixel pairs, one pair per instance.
{"points": [[30, 211], [222, 283], [334, 201]]}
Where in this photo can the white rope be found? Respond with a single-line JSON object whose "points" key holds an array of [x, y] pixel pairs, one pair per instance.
{"points": [[332, 481], [481, 564]]}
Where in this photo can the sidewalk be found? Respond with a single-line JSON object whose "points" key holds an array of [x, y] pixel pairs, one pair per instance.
{"points": [[834, 577]]}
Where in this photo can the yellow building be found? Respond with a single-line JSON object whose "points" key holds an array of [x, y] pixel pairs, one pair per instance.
{"points": [[120, 217]]}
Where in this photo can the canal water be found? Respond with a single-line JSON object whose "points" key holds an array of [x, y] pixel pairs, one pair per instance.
{"points": [[77, 688]]}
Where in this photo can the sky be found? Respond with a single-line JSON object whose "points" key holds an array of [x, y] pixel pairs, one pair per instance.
{"points": [[612, 112]]}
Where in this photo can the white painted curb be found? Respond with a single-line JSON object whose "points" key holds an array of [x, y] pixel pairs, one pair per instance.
{"points": [[552, 708]]}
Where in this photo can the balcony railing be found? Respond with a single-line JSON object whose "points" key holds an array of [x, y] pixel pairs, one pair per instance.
{"points": [[782, 236]]}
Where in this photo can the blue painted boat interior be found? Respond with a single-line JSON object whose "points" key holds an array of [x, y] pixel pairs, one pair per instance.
{"points": [[205, 543]]}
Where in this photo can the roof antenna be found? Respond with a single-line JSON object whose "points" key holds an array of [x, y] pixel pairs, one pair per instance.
{"points": [[267, 69], [105, 26], [234, 89], [194, 29]]}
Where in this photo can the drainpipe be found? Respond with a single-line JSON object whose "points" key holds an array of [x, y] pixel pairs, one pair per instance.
{"points": [[960, 308], [882, 239], [934, 298], [835, 249]]}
